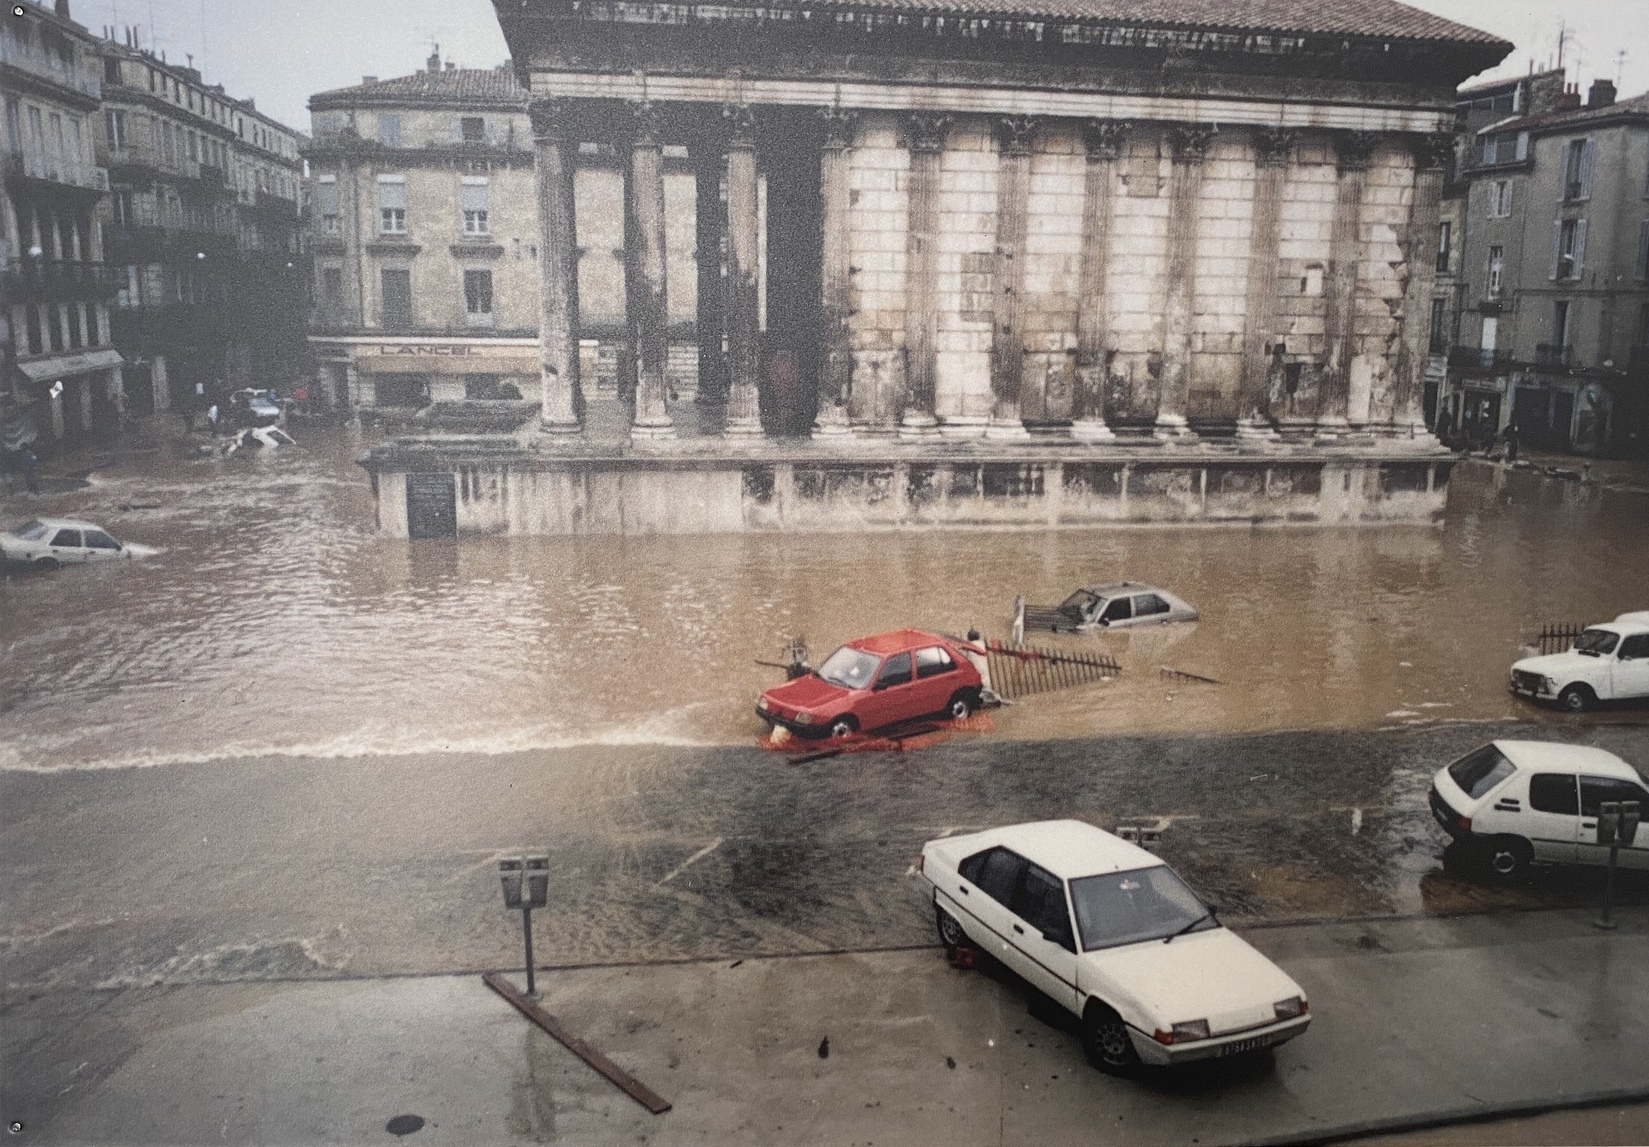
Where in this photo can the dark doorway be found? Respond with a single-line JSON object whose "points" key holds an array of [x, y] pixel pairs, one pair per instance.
{"points": [[401, 390], [1482, 417], [1563, 417], [432, 506], [795, 321]]}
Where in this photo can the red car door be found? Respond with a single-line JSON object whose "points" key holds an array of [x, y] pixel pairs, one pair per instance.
{"points": [[894, 696], [937, 677]]}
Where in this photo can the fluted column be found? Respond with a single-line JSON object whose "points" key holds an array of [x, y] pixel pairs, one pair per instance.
{"points": [[1015, 137], [1102, 140], [1190, 145], [1352, 152], [1273, 152], [652, 417], [925, 136], [743, 264], [555, 151], [836, 286], [710, 227], [1408, 418]]}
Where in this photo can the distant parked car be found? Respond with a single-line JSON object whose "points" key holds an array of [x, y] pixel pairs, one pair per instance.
{"points": [[46, 543], [1113, 935], [874, 682], [1516, 803], [1119, 605], [250, 407], [1608, 662]]}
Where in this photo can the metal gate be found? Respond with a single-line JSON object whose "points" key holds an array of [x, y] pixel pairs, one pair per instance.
{"points": [[432, 506]]}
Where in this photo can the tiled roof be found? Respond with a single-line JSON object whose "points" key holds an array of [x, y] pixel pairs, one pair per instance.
{"points": [[459, 85], [1382, 19], [1636, 106]]}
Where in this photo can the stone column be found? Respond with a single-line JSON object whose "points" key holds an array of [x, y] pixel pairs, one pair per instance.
{"points": [[1273, 152], [652, 418], [710, 228], [1015, 137], [555, 151], [1103, 140], [1190, 145], [1352, 150], [836, 290], [743, 265], [1408, 417], [925, 138]]}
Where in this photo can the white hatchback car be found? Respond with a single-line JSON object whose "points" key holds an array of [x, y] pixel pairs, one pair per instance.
{"points": [[1518, 802], [1112, 934], [46, 543], [1608, 662]]}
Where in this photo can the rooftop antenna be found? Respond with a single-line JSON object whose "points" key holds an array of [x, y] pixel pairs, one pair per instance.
{"points": [[1620, 67], [1562, 35]]}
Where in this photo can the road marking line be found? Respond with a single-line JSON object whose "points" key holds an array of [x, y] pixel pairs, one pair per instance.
{"points": [[684, 865]]}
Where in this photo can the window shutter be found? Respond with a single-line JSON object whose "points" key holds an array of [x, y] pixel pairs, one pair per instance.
{"points": [[1588, 153], [326, 195], [1557, 247], [392, 192], [457, 129], [1643, 250], [1522, 145], [472, 194], [1580, 249]]}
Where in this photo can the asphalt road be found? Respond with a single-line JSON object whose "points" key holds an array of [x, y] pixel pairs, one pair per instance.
{"points": [[290, 868]]}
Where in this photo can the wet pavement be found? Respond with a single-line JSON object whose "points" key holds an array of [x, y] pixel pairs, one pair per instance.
{"points": [[274, 620]]}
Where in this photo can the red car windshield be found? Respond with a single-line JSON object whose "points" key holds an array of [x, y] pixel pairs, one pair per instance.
{"points": [[850, 668]]}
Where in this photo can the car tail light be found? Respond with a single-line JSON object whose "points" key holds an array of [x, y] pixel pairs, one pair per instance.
{"points": [[1162, 1037], [1465, 823]]}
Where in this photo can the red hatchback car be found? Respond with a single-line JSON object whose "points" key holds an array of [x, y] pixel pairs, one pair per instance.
{"points": [[875, 682]]}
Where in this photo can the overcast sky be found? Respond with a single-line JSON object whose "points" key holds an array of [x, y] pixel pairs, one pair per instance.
{"points": [[280, 51]]}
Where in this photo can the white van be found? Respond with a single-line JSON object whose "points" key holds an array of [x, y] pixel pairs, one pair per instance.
{"points": [[1521, 802]]}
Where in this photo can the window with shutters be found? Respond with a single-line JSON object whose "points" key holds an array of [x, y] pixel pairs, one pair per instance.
{"points": [[326, 203], [389, 129], [1445, 241], [332, 289], [392, 204], [478, 298], [1439, 326], [115, 123], [396, 300], [472, 200], [1500, 199], [1568, 248], [1497, 269], [472, 129], [1577, 170]]}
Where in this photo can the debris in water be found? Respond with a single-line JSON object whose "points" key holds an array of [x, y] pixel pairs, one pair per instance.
{"points": [[950, 1063], [1182, 675], [1356, 821], [824, 1048], [404, 1124], [735, 964]]}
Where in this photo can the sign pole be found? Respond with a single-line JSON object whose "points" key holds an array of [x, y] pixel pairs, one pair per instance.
{"points": [[1607, 920], [526, 930]]}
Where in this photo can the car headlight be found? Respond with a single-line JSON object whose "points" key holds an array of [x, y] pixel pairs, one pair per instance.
{"points": [[761, 703], [804, 718], [1291, 1008], [1191, 1030]]}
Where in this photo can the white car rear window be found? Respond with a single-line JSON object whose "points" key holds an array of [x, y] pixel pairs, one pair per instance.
{"points": [[1479, 771], [29, 531]]}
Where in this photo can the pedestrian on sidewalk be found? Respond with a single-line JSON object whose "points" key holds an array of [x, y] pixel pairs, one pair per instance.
{"points": [[31, 463]]}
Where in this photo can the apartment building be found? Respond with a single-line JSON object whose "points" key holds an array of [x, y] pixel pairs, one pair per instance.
{"points": [[1551, 317], [61, 379], [204, 233]]}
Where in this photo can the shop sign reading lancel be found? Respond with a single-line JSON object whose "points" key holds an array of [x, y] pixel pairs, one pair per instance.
{"points": [[443, 350]]}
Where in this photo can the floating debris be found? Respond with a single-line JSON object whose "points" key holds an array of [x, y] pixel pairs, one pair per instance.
{"points": [[1182, 675]]}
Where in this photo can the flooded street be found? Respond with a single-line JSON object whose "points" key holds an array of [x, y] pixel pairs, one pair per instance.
{"points": [[274, 620]]}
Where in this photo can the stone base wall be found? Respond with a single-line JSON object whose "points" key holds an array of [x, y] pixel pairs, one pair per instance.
{"points": [[523, 493]]}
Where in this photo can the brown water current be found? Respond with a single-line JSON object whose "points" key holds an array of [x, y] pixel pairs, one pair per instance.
{"points": [[274, 620]]}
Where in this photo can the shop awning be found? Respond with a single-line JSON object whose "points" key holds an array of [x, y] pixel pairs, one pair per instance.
{"points": [[67, 366]]}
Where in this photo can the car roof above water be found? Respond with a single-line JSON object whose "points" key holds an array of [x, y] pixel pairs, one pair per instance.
{"points": [[1567, 758], [1117, 588], [61, 524], [1071, 848], [897, 641]]}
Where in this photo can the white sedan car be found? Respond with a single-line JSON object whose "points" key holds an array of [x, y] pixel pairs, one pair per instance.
{"points": [[1112, 934], [1608, 662], [46, 543]]}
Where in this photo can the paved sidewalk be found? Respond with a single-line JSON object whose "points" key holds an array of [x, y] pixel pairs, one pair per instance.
{"points": [[1412, 1016]]}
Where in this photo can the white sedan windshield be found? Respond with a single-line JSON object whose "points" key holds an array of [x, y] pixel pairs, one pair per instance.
{"points": [[1129, 907], [1596, 641], [850, 668]]}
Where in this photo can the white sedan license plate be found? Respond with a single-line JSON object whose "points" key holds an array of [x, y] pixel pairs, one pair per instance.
{"points": [[1243, 1045], [1441, 819]]}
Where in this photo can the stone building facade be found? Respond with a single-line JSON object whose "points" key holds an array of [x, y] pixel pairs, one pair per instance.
{"points": [[202, 234], [1553, 321], [60, 378]]}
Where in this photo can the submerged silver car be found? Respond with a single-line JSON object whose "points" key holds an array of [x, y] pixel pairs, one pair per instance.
{"points": [[46, 543], [1118, 605]]}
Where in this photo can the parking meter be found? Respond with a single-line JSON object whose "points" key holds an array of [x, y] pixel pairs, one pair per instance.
{"points": [[1628, 830], [526, 883], [1608, 822], [1617, 827], [509, 872]]}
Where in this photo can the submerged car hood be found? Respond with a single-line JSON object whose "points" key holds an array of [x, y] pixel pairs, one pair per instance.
{"points": [[1213, 975], [1559, 664], [808, 692]]}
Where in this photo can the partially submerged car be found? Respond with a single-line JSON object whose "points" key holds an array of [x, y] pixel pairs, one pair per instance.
{"points": [[1114, 936], [1608, 662], [256, 438], [251, 407], [874, 682], [1516, 803], [1118, 605], [46, 543]]}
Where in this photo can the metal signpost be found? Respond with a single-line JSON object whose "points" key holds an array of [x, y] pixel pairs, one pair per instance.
{"points": [[526, 883], [1617, 824]]}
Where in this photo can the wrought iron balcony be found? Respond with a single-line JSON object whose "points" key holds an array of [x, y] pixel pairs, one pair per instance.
{"points": [[1472, 358], [54, 280], [52, 169], [1554, 354]]}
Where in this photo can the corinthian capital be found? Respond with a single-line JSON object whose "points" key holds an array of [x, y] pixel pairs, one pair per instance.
{"points": [[839, 124], [1354, 149], [1016, 133], [740, 121], [1432, 150], [1104, 137], [1190, 141], [1274, 145], [926, 131], [551, 119]]}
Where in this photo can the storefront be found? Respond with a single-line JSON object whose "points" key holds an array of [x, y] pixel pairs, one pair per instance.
{"points": [[69, 399], [406, 374]]}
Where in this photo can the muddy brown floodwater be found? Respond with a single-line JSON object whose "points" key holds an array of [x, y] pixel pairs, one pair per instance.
{"points": [[274, 620]]}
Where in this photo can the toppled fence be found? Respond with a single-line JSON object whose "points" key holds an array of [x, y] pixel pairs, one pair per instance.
{"points": [[1020, 670], [1558, 637]]}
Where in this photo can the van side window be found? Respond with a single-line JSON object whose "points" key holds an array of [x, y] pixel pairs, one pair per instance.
{"points": [[1554, 792]]}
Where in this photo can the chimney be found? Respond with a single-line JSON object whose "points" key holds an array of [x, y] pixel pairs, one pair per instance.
{"points": [[1601, 95], [1570, 99], [434, 61], [369, 79], [62, 8], [451, 67]]}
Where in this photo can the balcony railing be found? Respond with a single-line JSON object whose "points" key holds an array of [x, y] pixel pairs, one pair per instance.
{"points": [[1554, 354], [1472, 358], [49, 66], [48, 281], [53, 169]]}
